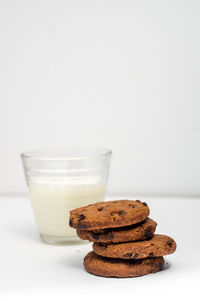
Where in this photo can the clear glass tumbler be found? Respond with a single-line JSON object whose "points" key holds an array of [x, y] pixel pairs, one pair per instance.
{"points": [[61, 180]]}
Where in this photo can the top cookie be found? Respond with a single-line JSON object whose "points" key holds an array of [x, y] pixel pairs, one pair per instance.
{"points": [[110, 214]]}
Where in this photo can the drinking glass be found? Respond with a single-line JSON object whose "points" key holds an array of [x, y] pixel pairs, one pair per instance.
{"points": [[61, 180]]}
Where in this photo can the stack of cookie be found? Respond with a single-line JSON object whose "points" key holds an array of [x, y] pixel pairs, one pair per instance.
{"points": [[124, 243]]}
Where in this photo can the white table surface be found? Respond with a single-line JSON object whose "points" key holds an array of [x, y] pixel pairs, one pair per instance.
{"points": [[32, 270]]}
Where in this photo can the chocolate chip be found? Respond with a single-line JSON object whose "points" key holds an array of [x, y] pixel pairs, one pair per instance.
{"points": [[103, 245], [70, 223], [81, 226], [148, 232], [135, 256], [81, 217], [128, 255], [151, 254], [110, 235], [131, 255], [145, 204], [121, 212], [169, 243], [100, 208], [138, 201], [95, 236]]}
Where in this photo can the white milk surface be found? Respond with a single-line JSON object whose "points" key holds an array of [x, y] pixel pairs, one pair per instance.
{"points": [[52, 199]]}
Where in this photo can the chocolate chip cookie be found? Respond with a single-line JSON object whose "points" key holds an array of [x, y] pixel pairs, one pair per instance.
{"points": [[158, 245], [121, 268], [110, 214], [141, 231]]}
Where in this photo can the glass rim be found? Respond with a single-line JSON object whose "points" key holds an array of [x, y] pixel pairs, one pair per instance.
{"points": [[42, 154]]}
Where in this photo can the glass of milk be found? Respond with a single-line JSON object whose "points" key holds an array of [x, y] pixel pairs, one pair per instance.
{"points": [[61, 180]]}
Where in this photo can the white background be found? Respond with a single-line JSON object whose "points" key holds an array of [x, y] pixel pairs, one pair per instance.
{"points": [[117, 74]]}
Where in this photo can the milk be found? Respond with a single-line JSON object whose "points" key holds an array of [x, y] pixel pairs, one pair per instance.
{"points": [[52, 198]]}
